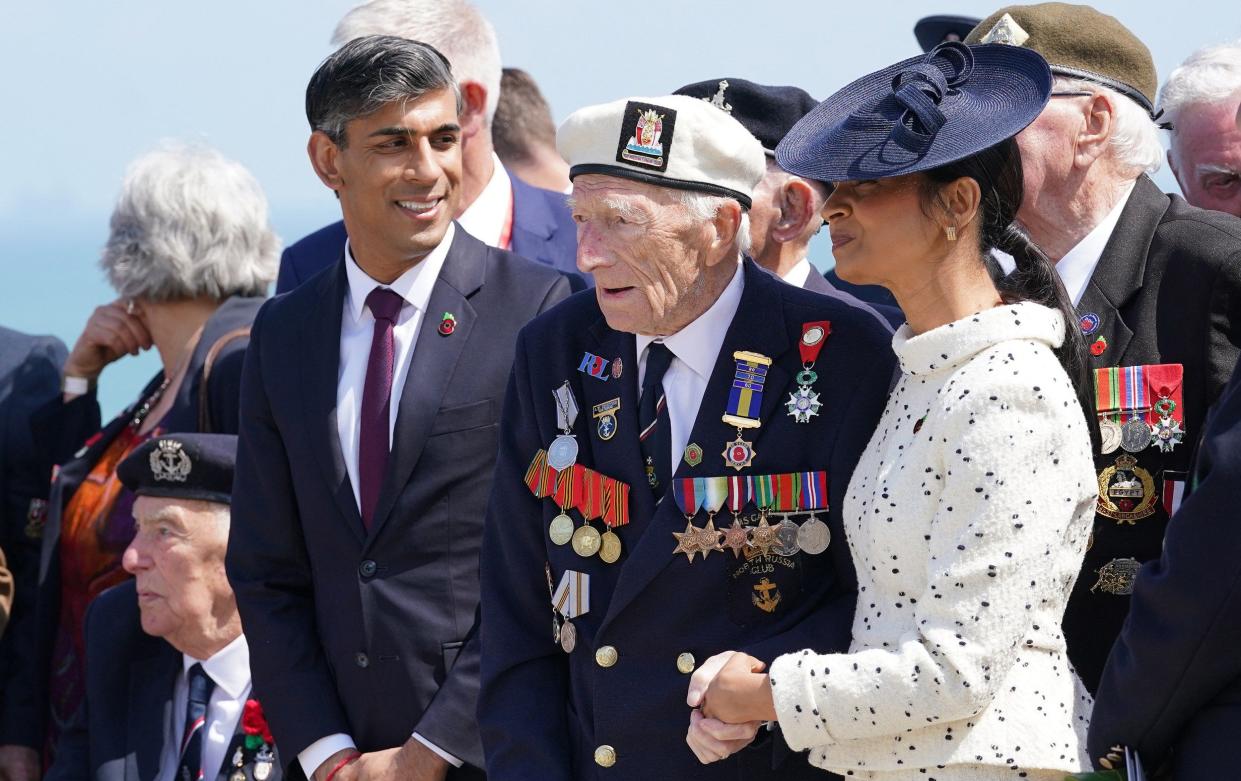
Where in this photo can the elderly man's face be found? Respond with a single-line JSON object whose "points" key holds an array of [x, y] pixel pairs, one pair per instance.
{"points": [[1046, 147], [177, 560], [1206, 156], [398, 175], [647, 255]]}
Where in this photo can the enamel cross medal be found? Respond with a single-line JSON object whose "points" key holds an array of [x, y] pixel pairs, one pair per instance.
{"points": [[804, 403]]}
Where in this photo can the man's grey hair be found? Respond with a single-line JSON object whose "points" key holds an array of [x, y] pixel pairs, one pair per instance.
{"points": [[454, 27], [190, 223], [1134, 143], [702, 207], [368, 73], [1209, 75]]}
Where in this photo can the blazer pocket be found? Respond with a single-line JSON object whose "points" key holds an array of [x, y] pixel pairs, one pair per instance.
{"points": [[464, 416]]}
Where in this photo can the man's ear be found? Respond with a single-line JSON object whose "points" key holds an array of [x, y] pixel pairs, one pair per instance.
{"points": [[726, 223], [473, 117], [1096, 130], [796, 211], [325, 159]]}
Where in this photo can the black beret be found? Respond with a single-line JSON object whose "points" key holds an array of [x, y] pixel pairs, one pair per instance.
{"points": [[931, 31], [767, 112], [182, 466]]}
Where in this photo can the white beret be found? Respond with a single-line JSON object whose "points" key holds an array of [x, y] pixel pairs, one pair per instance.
{"points": [[673, 141]]}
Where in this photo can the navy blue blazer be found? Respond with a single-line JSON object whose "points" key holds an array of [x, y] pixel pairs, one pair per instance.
{"points": [[819, 283], [118, 734], [1171, 687], [355, 631], [875, 295], [61, 428], [543, 230], [543, 713]]}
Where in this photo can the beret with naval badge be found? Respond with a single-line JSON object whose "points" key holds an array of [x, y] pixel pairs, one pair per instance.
{"points": [[182, 466], [767, 112]]}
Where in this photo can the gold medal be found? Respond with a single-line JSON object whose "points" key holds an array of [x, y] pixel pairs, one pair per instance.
{"points": [[561, 530], [586, 541], [610, 547]]}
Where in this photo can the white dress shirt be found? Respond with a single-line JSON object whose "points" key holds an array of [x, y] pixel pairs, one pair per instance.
{"points": [[357, 326], [695, 349], [492, 210], [798, 275], [230, 669]]}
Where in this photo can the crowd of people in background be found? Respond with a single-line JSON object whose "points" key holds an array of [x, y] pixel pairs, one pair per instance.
{"points": [[961, 508]]}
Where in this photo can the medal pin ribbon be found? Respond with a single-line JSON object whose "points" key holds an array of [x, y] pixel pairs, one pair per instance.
{"points": [[562, 453], [689, 494], [814, 535], [745, 404], [571, 599], [787, 499], [740, 491], [804, 403], [715, 493], [763, 536]]}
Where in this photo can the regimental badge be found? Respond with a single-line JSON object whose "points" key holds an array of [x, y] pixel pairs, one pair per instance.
{"points": [[1006, 30], [646, 135], [594, 365], [36, 519], [605, 415], [693, 454], [1126, 491], [617, 368], [1089, 323], [169, 461], [717, 99], [1117, 577]]}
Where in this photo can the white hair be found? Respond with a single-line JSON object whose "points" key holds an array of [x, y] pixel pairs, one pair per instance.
{"points": [[703, 207], [1135, 141], [1209, 75], [455, 27], [190, 223]]}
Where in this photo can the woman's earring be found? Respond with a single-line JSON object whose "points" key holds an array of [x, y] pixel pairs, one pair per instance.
{"points": [[951, 231]]}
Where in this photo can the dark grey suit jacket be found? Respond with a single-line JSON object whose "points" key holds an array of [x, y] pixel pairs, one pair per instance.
{"points": [[118, 733], [362, 632]]}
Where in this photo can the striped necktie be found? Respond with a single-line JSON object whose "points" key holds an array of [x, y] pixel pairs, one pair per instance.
{"points": [[191, 766]]}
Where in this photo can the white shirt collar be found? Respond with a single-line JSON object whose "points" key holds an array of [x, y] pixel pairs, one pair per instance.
{"points": [[485, 218], [798, 275], [698, 344], [414, 285], [1078, 264], [229, 667]]}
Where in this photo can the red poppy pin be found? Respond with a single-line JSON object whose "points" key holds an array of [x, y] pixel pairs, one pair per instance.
{"points": [[254, 724], [448, 324]]}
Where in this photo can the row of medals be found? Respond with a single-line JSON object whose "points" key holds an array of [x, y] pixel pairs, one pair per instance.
{"points": [[1135, 435], [586, 539], [786, 538]]}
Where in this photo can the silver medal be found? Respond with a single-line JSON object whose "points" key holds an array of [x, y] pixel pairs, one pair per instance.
{"points": [[813, 537], [1109, 432], [1135, 436], [786, 538], [562, 453]]}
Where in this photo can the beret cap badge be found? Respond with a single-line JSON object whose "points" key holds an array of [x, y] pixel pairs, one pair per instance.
{"points": [[645, 135], [1006, 30], [169, 461]]}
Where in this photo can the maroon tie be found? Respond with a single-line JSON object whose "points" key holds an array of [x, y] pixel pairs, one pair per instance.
{"points": [[373, 444]]}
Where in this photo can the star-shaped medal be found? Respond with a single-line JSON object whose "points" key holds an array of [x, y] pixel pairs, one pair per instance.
{"points": [[709, 538], [736, 537], [688, 541], [803, 404], [763, 537], [1167, 434], [739, 453]]}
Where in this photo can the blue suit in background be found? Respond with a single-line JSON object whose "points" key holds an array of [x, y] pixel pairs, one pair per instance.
{"points": [[543, 231]]}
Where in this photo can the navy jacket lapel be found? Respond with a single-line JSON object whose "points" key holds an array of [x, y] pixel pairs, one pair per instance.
{"points": [[434, 361], [758, 326], [320, 361], [151, 682]]}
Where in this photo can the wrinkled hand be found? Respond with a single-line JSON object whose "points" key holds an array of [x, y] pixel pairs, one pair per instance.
{"points": [[110, 333], [713, 740], [703, 676], [411, 762], [19, 763], [739, 692]]}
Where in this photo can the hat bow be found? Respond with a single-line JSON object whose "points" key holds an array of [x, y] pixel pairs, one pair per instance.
{"points": [[921, 88]]}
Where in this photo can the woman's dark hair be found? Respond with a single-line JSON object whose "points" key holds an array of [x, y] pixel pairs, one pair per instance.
{"points": [[999, 175]]}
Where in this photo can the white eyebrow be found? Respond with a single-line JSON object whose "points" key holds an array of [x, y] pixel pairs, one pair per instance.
{"points": [[1213, 168], [621, 206]]}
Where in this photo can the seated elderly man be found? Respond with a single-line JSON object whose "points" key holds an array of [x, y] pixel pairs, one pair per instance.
{"points": [[674, 450], [168, 677], [1200, 103]]}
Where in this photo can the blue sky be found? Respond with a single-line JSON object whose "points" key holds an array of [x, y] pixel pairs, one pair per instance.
{"points": [[89, 86]]}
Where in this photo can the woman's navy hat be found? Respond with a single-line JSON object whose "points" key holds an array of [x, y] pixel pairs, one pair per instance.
{"points": [[919, 114]]}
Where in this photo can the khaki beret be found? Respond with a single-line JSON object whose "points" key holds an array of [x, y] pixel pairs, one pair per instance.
{"points": [[1079, 43], [673, 141]]}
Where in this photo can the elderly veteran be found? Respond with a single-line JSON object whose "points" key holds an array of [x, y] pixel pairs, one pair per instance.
{"points": [[190, 256], [168, 684], [1200, 102], [674, 450], [785, 214], [1156, 284]]}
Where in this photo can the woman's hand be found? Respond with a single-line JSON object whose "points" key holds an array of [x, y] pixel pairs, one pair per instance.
{"points": [[713, 740], [110, 333], [739, 692]]}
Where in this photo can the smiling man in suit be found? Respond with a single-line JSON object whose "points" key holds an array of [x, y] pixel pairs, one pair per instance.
{"points": [[168, 679], [685, 367], [370, 399], [495, 206]]}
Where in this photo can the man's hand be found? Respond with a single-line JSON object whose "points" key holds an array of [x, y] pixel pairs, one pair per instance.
{"points": [[19, 763], [324, 770], [703, 676], [740, 692], [110, 333], [411, 762], [713, 740]]}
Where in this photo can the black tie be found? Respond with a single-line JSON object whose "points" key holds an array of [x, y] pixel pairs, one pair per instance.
{"points": [[191, 766], [656, 433]]}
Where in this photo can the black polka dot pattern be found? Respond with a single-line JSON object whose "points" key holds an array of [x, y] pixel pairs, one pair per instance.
{"points": [[967, 536]]}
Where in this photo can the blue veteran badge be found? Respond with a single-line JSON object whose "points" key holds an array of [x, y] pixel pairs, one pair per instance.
{"points": [[605, 415], [595, 366], [1089, 323]]}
